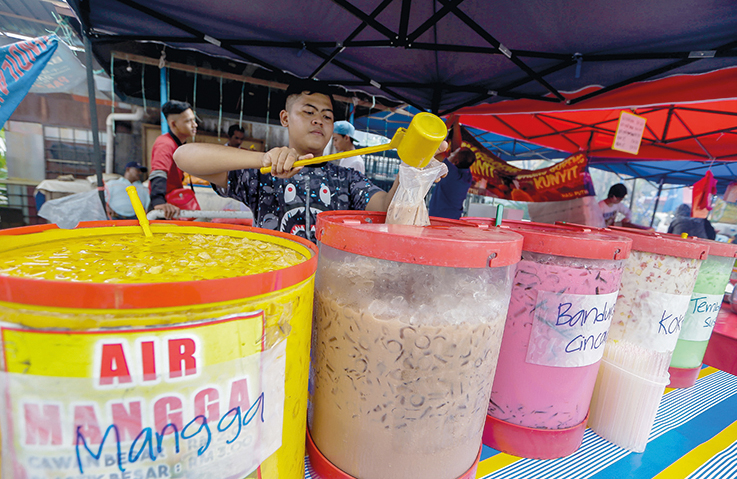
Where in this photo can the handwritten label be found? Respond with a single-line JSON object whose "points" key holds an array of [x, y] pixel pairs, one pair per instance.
{"points": [[570, 330], [172, 401], [629, 133], [654, 320], [701, 317]]}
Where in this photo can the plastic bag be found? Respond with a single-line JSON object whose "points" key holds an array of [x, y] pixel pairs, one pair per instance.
{"points": [[408, 205], [68, 211]]}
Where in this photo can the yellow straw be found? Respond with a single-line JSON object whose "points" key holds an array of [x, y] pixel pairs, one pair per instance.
{"points": [[138, 208]]}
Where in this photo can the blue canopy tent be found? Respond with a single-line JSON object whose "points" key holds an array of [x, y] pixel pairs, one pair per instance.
{"points": [[440, 55]]}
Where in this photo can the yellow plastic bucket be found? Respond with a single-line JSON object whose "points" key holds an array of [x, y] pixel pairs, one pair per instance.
{"points": [[188, 379]]}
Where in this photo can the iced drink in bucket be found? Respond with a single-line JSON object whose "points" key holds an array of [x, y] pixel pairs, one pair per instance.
{"points": [[701, 314], [563, 297], [408, 322], [657, 284], [185, 354]]}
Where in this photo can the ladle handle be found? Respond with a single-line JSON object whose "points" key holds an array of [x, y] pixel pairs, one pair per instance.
{"points": [[347, 154]]}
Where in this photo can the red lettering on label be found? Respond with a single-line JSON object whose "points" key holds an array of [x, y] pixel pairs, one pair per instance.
{"points": [[85, 421], [206, 403], [128, 421], [168, 410], [42, 427], [239, 395], [148, 360], [182, 351], [113, 365]]}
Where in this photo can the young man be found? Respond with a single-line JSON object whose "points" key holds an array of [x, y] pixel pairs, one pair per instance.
{"points": [[343, 137], [119, 205], [450, 192], [236, 135], [165, 175], [613, 205], [288, 199]]}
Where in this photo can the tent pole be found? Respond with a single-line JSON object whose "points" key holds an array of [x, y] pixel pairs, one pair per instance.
{"points": [[632, 196], [657, 200], [98, 158], [164, 98]]}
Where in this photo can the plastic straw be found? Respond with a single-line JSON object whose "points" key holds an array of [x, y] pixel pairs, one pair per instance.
{"points": [[138, 208], [499, 211]]}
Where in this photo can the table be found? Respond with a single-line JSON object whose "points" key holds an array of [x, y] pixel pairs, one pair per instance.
{"points": [[694, 436], [722, 350]]}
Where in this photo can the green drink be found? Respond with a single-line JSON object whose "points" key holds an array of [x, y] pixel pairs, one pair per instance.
{"points": [[703, 308]]}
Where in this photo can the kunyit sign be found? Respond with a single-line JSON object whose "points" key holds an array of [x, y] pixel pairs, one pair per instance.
{"points": [[492, 176]]}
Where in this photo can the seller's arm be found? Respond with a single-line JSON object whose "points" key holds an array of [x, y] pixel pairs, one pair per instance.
{"points": [[213, 162]]}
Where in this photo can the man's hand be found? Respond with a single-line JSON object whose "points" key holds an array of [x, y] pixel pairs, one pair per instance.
{"points": [[170, 211], [281, 161]]}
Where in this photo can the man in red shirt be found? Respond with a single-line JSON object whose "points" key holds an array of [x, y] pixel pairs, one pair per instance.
{"points": [[165, 176]]}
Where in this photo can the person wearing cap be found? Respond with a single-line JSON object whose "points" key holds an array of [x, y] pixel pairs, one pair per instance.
{"points": [[289, 199], [343, 139], [118, 203], [165, 175]]}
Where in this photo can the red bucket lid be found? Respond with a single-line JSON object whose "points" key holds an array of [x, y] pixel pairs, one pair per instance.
{"points": [[563, 240], [445, 242], [716, 248], [670, 245]]}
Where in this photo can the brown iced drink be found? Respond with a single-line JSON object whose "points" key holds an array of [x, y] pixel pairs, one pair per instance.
{"points": [[399, 396]]}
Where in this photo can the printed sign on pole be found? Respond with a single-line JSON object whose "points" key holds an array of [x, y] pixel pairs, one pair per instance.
{"points": [[629, 133]]}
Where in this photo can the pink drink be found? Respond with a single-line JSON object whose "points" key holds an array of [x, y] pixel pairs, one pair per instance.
{"points": [[543, 396]]}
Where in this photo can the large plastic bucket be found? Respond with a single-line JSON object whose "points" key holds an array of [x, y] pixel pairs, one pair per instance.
{"points": [[657, 283], [701, 315], [408, 322], [561, 306], [190, 379]]}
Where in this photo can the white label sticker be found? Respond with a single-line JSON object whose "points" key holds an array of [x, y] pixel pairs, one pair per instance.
{"points": [[570, 330], [652, 321], [701, 317]]}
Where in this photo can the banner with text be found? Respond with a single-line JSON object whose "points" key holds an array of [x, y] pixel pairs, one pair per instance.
{"points": [[178, 401], [493, 176], [20, 64]]}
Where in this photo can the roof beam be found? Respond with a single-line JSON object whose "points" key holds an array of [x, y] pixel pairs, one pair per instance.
{"points": [[233, 76], [339, 48], [507, 53], [193, 31], [649, 74], [432, 21], [361, 15]]}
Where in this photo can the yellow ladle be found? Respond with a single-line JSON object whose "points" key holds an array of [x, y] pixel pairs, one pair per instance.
{"points": [[416, 145], [140, 212]]}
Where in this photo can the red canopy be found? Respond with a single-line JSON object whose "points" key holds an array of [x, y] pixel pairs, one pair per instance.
{"points": [[689, 117]]}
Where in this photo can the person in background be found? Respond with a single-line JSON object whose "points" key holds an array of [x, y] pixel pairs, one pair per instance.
{"points": [[450, 192], [118, 203], [288, 199], [343, 139], [236, 135], [684, 223], [613, 205], [165, 175]]}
